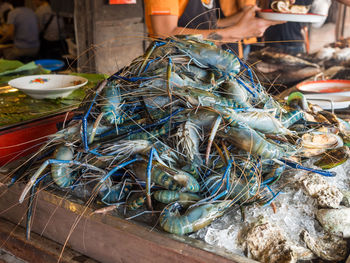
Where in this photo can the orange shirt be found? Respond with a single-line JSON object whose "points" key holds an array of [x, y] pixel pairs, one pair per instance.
{"points": [[177, 7], [163, 7], [230, 7]]}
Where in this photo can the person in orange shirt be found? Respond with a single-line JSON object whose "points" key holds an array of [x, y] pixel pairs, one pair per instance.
{"points": [[237, 7], [232, 7], [177, 17]]}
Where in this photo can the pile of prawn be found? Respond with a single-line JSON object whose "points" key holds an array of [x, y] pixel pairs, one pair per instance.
{"points": [[190, 127]]}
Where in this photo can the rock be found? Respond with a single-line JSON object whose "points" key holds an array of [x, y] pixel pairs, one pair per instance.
{"points": [[329, 197], [313, 184], [346, 198], [329, 248], [335, 221], [326, 195], [267, 243]]}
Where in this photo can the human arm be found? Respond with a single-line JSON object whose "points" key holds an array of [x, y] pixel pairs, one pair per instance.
{"points": [[247, 26], [345, 2], [233, 19], [166, 25]]}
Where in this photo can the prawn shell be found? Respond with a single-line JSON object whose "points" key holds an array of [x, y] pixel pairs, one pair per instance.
{"points": [[193, 220], [187, 181], [115, 193], [249, 140], [286, 7], [61, 173], [112, 106], [136, 202], [263, 122], [233, 90], [167, 197]]}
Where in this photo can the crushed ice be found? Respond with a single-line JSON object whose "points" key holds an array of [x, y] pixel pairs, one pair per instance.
{"points": [[295, 211]]}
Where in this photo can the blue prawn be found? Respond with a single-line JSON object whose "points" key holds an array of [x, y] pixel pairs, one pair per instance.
{"points": [[169, 178], [194, 218], [210, 56], [246, 138]]}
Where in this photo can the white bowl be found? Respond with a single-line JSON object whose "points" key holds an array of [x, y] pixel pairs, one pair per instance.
{"points": [[49, 86]]}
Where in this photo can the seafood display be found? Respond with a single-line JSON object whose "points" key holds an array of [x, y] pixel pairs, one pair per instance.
{"points": [[287, 7], [333, 55], [188, 130], [291, 223], [280, 68]]}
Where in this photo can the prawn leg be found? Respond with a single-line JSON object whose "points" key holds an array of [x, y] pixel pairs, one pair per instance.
{"points": [[59, 166], [85, 117], [111, 172], [33, 192], [218, 185], [249, 74], [298, 166], [211, 137], [227, 177], [116, 193], [30, 211], [148, 53], [274, 196], [148, 179]]}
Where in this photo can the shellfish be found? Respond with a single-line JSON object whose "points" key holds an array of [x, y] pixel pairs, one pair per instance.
{"points": [[286, 7]]}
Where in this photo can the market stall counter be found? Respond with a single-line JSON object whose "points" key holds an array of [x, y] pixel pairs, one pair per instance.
{"points": [[25, 121]]}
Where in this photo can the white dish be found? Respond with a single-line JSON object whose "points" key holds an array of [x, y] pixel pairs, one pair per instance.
{"points": [[48, 86], [306, 18], [325, 102], [326, 87]]}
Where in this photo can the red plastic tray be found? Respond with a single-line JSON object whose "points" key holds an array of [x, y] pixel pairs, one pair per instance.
{"points": [[21, 140]]}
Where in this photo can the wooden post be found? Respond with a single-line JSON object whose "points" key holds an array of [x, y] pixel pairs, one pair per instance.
{"points": [[84, 34]]}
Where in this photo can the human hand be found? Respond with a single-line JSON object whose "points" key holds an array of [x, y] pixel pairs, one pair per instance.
{"points": [[250, 26]]}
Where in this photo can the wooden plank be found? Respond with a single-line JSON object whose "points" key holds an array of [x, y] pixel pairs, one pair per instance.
{"points": [[84, 34], [107, 238], [38, 249]]}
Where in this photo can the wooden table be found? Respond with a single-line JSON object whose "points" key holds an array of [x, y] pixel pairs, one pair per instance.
{"points": [[105, 238]]}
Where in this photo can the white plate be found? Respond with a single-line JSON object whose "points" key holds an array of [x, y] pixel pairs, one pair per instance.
{"points": [[325, 102], [48, 86], [326, 87], [306, 18]]}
